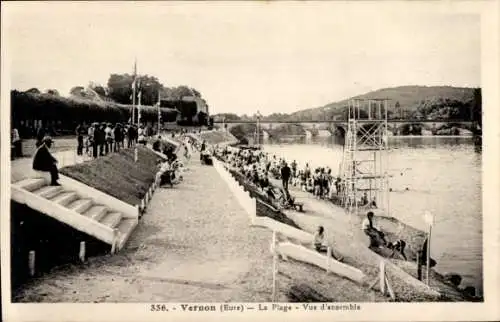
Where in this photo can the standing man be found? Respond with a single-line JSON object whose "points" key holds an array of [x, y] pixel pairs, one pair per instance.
{"points": [[44, 161], [80, 131], [108, 134], [17, 143], [118, 133], [285, 175], [91, 139], [100, 138]]}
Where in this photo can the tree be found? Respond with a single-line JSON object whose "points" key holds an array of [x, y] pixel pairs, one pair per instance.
{"points": [[52, 92], [33, 91], [196, 93], [120, 88], [99, 89], [149, 87], [78, 91]]}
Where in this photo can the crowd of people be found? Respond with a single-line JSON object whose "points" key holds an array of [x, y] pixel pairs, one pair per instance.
{"points": [[100, 139], [259, 166]]}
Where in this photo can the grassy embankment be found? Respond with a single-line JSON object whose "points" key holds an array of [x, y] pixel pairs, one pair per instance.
{"points": [[117, 174]]}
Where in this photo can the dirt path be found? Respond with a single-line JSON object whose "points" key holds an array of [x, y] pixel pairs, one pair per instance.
{"points": [[193, 244]]}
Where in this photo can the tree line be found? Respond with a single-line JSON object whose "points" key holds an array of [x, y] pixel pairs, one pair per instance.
{"points": [[119, 90]]}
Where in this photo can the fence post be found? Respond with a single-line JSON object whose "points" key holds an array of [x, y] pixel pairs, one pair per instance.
{"points": [[328, 259], [81, 254], [382, 277], [275, 266], [31, 262], [419, 266], [115, 241]]}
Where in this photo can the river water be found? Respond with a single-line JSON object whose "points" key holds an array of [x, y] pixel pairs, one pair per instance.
{"points": [[443, 176]]}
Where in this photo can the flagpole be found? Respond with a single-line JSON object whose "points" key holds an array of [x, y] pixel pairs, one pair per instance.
{"points": [[133, 92], [159, 111], [136, 152], [139, 109]]}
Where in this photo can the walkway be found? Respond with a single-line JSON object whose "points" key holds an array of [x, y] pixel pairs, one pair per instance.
{"points": [[194, 243]]}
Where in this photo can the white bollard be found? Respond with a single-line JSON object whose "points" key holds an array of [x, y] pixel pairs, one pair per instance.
{"points": [[142, 204], [81, 255], [382, 277]]}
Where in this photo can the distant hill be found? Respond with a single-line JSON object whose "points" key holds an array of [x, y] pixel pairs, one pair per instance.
{"points": [[431, 102]]}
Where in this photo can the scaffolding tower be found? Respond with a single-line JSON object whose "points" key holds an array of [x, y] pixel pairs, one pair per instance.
{"points": [[364, 168]]}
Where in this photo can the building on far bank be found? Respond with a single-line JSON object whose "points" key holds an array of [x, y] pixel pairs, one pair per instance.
{"points": [[193, 110]]}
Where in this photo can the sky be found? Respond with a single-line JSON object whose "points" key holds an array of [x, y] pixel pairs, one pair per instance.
{"points": [[243, 57]]}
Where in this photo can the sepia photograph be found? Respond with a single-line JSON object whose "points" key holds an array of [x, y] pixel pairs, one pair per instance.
{"points": [[247, 156]]}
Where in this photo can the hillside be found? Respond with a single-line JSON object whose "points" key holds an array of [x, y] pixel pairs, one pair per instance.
{"points": [[435, 102]]}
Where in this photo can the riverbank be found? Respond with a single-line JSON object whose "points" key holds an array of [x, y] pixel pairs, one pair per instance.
{"points": [[346, 240], [394, 229], [348, 237]]}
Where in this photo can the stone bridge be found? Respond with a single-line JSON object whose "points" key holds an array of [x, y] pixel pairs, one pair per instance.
{"points": [[339, 127]]}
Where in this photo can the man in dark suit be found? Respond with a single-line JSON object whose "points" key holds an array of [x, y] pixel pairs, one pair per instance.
{"points": [[44, 161], [285, 176]]}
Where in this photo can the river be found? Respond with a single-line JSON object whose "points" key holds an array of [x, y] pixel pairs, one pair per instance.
{"points": [[443, 175]]}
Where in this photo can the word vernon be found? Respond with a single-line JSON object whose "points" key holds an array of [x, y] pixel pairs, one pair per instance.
{"points": [[331, 307]]}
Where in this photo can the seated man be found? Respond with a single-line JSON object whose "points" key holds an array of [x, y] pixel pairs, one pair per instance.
{"points": [[320, 243], [377, 237], [157, 144], [166, 174], [44, 161], [399, 247]]}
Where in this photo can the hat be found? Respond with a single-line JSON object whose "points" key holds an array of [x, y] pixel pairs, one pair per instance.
{"points": [[47, 139]]}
